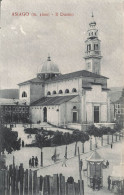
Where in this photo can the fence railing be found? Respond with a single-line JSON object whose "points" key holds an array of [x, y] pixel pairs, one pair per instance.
{"points": [[17, 181]]}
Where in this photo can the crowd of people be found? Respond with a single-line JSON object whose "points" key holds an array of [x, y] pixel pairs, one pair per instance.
{"points": [[33, 162]]}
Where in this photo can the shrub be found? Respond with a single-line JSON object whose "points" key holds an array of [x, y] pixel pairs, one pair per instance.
{"points": [[31, 131]]}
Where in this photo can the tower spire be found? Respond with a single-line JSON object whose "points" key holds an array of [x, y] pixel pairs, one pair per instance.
{"points": [[92, 15], [92, 52]]}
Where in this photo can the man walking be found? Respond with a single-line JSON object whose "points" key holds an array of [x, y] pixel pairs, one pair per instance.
{"points": [[94, 182], [107, 163], [36, 161], [98, 183], [64, 162], [109, 182], [111, 145], [32, 161]]}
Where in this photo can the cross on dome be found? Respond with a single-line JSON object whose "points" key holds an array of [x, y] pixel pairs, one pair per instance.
{"points": [[48, 59]]}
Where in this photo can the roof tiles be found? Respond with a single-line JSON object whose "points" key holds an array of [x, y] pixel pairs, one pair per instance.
{"points": [[47, 101]]}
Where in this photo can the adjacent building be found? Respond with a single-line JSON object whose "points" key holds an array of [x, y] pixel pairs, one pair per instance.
{"points": [[13, 111], [119, 110]]}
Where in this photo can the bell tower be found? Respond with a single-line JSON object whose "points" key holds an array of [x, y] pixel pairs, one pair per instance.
{"points": [[92, 49]]}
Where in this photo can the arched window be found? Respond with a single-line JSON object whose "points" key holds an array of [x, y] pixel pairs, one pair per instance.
{"points": [[74, 108], [67, 91], [24, 94], [54, 92], [92, 33], [48, 93], [74, 90], [60, 91]]}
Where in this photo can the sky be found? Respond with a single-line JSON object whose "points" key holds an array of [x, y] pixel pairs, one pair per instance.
{"points": [[26, 41]]}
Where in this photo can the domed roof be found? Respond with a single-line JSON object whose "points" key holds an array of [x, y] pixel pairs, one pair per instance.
{"points": [[50, 67]]}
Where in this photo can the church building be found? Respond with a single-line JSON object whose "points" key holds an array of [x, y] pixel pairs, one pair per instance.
{"points": [[75, 98]]}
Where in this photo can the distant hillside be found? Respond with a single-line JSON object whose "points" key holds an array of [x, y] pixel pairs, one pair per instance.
{"points": [[9, 93], [115, 93]]}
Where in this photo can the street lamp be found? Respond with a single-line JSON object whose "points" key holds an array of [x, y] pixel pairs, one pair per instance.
{"points": [[108, 138], [58, 116], [90, 143]]}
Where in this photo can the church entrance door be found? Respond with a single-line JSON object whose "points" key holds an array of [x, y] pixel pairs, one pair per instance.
{"points": [[96, 114], [45, 114], [74, 117]]}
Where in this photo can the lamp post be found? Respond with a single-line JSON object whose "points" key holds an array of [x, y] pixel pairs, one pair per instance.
{"points": [[95, 143], [58, 116], [112, 137], [82, 147], [90, 143], [102, 140], [108, 138]]}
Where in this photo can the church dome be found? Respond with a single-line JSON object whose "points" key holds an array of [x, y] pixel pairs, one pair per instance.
{"points": [[49, 67]]}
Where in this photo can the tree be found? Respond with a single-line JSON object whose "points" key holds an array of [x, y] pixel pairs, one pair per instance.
{"points": [[93, 130], [57, 138], [41, 140], [83, 138], [123, 92], [8, 140]]}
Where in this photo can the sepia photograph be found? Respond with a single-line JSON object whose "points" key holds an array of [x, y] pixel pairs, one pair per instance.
{"points": [[61, 97]]}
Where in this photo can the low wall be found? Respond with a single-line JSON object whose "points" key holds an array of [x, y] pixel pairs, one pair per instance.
{"points": [[85, 126]]}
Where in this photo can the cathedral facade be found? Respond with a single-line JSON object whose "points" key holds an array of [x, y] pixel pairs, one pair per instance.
{"points": [[79, 97]]}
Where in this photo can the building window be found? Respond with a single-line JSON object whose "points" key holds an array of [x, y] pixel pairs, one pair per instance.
{"points": [[48, 93], [74, 90], [89, 47], [24, 94], [95, 46], [54, 92], [74, 108], [67, 91], [60, 91]]}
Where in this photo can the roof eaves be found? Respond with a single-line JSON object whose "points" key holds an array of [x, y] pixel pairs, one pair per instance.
{"points": [[52, 81]]}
